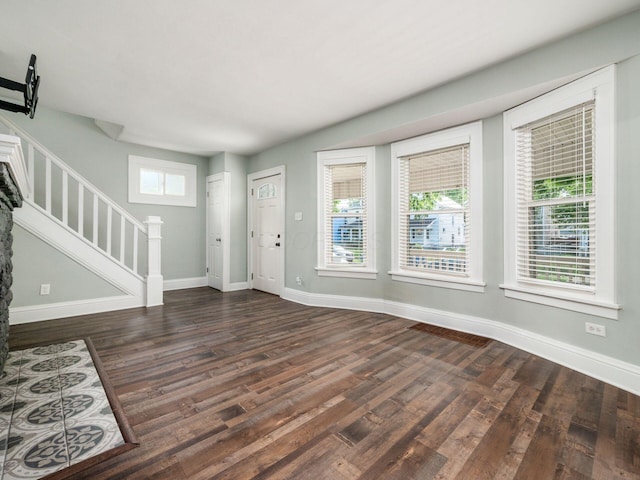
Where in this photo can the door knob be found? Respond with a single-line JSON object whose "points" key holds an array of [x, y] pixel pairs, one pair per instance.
{"points": [[277, 244]]}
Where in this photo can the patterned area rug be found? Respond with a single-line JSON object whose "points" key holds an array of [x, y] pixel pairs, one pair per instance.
{"points": [[58, 414]]}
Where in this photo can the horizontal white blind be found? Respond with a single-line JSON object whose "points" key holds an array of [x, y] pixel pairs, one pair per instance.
{"points": [[556, 199], [345, 215], [434, 212], [438, 171]]}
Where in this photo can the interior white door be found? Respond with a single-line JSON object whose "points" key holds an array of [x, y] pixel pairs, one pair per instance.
{"points": [[266, 230], [215, 231]]}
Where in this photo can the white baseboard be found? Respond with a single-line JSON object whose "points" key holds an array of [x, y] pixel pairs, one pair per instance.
{"points": [[49, 311], [182, 283], [608, 369], [232, 287]]}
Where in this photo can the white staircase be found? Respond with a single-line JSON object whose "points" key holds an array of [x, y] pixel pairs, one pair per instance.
{"points": [[69, 213]]}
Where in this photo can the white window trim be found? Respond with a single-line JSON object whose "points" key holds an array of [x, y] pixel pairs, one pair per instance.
{"points": [[599, 86], [470, 133], [190, 172], [344, 157]]}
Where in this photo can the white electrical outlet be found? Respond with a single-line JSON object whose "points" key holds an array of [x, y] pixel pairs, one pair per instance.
{"points": [[595, 329], [299, 280], [45, 289]]}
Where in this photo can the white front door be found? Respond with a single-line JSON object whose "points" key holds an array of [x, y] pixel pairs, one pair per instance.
{"points": [[217, 230], [267, 235]]}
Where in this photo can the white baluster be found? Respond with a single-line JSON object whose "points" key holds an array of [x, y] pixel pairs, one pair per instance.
{"points": [[65, 198], [95, 219], [80, 209], [109, 225], [32, 171], [135, 249], [47, 185], [122, 232]]}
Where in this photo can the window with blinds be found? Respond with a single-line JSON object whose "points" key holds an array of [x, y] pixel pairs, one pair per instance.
{"points": [[345, 219], [345, 213], [556, 201], [560, 197], [437, 209], [434, 228]]}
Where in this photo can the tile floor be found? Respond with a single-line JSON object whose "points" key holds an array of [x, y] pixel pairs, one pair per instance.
{"points": [[53, 411]]}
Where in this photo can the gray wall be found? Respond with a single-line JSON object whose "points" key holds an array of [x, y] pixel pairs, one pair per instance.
{"points": [[236, 165], [103, 161], [35, 263], [216, 163], [77, 141], [615, 42]]}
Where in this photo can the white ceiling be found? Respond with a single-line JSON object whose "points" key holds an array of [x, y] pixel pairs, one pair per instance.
{"points": [[204, 76]]}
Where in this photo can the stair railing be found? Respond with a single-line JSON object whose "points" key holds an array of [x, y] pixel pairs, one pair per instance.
{"points": [[75, 203]]}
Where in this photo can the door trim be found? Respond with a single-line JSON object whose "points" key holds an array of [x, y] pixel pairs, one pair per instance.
{"points": [[226, 227], [279, 170]]}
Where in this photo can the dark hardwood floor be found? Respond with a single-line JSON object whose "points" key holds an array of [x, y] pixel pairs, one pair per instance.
{"points": [[246, 385]]}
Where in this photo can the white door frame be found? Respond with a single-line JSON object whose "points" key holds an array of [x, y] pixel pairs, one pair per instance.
{"points": [[226, 227], [250, 179]]}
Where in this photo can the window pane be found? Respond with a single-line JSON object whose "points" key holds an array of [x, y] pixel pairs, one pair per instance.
{"points": [[562, 155], [347, 181], [161, 182], [435, 234], [436, 242], [348, 228], [347, 239], [175, 185], [266, 190], [454, 199], [560, 243], [439, 170], [556, 155], [562, 151], [563, 187], [151, 182]]}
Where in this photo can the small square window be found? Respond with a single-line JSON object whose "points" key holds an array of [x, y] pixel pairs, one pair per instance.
{"points": [[162, 182]]}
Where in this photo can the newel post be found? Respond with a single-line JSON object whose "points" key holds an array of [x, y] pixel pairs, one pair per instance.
{"points": [[154, 277]]}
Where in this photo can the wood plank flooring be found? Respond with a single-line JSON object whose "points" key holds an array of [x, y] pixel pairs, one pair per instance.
{"points": [[244, 385]]}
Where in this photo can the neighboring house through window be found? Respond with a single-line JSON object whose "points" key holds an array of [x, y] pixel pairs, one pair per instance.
{"points": [[345, 213], [559, 197], [437, 209]]}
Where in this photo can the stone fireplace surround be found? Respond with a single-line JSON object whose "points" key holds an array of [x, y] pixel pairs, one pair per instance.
{"points": [[14, 186]]}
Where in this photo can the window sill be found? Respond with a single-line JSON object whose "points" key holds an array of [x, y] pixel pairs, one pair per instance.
{"points": [[439, 281], [353, 272], [582, 304]]}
